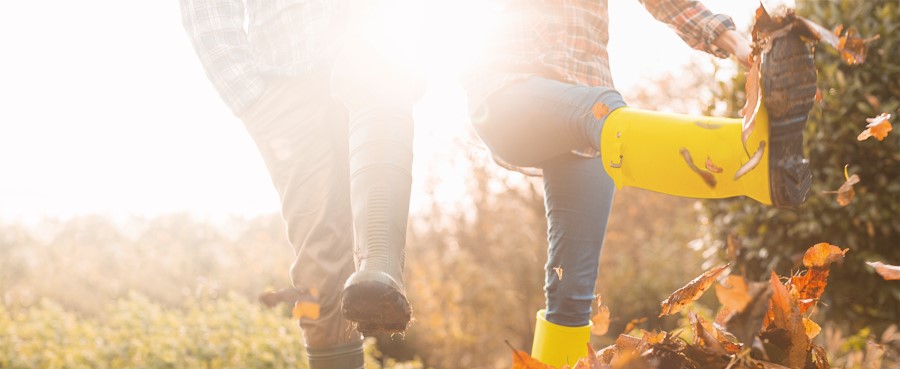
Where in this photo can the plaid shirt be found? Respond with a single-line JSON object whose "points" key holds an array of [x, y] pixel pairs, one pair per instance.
{"points": [[285, 38], [566, 40]]}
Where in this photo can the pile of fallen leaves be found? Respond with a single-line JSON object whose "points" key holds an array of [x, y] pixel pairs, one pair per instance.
{"points": [[760, 325]]}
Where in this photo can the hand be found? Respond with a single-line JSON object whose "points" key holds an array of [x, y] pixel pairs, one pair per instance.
{"points": [[737, 45]]}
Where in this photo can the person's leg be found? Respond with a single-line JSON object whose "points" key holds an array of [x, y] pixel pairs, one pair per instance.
{"points": [[537, 119], [379, 97], [301, 133], [578, 199]]}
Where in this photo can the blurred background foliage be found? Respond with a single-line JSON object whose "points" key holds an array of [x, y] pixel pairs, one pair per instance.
{"points": [[174, 291], [774, 239]]}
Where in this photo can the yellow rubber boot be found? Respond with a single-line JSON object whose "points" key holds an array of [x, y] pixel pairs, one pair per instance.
{"points": [[685, 155], [705, 157], [558, 345]]}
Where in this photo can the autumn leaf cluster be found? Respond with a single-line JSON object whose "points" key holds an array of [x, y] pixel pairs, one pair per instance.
{"points": [[760, 325]]}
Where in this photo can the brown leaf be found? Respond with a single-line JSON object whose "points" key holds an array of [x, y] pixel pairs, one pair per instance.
{"points": [[752, 163], [690, 292], [633, 323], [606, 354], [707, 176], [703, 336], [600, 110], [712, 167], [877, 127], [559, 272], [888, 272], [600, 321], [746, 325], [845, 194], [733, 293], [851, 46], [784, 315], [822, 254]]}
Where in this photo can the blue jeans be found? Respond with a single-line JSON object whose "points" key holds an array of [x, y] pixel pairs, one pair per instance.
{"points": [[537, 123]]}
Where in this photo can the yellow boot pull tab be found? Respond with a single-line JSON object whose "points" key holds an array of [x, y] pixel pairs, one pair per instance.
{"points": [[611, 142]]}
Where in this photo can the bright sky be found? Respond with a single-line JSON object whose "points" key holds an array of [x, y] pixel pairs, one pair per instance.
{"points": [[104, 108]]}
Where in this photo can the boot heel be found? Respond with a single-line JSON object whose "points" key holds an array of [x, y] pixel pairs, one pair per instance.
{"points": [[375, 302]]}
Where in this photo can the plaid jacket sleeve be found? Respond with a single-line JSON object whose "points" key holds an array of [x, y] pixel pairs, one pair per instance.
{"points": [[216, 30], [693, 22]]}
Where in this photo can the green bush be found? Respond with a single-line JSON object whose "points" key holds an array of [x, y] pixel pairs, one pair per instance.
{"points": [[773, 239]]}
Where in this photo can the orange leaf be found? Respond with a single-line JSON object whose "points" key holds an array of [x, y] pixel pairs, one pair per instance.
{"points": [[600, 110], [305, 309], [733, 293], [521, 360], [808, 287], [712, 167], [690, 292], [888, 272], [877, 127], [821, 255], [600, 322]]}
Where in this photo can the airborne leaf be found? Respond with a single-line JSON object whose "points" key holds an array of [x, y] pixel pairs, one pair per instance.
{"points": [[600, 321], [845, 193], [690, 292], [888, 272], [821, 255], [305, 309], [877, 127]]}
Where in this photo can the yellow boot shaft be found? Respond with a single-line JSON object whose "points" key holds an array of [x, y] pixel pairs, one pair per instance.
{"points": [[684, 155], [558, 345]]}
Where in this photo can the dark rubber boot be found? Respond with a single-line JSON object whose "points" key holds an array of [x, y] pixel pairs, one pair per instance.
{"points": [[789, 90]]}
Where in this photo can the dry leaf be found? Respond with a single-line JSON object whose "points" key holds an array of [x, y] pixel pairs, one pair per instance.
{"points": [[845, 194], [784, 315], [751, 107], [690, 292], [808, 287], [812, 329], [733, 293], [752, 163], [600, 321], [600, 110], [747, 324], [821, 255], [888, 272], [877, 127], [633, 323], [559, 272], [521, 360], [712, 167], [707, 176], [305, 309]]}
